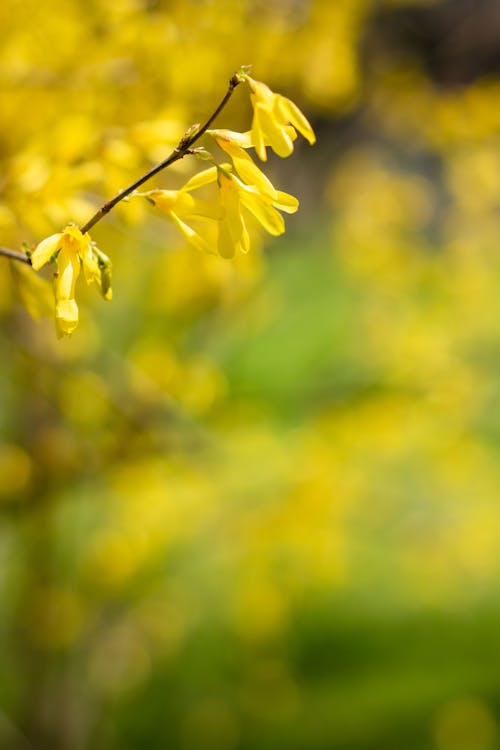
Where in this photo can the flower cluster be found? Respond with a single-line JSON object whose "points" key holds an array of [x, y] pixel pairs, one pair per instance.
{"points": [[71, 250], [273, 115], [242, 188], [226, 215], [218, 224]]}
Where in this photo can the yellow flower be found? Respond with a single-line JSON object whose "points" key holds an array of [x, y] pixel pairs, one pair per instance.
{"points": [[234, 144], [272, 116], [181, 208], [262, 204], [260, 199], [226, 213], [71, 249], [234, 196]]}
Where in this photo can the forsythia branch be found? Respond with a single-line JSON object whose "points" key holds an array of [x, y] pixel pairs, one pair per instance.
{"points": [[242, 191], [15, 255], [183, 148], [179, 152]]}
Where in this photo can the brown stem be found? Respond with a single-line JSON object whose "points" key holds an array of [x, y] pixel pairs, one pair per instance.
{"points": [[15, 255], [179, 152]]}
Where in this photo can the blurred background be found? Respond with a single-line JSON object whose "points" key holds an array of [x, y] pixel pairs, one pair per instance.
{"points": [[255, 504]]}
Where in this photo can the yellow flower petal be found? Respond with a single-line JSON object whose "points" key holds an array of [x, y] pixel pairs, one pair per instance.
{"points": [[258, 134], [260, 91], [286, 202], [202, 178], [247, 169], [245, 239], [274, 133], [90, 265], [68, 268], [232, 136], [45, 250], [293, 115], [271, 220], [232, 209], [194, 238], [274, 116], [66, 316]]}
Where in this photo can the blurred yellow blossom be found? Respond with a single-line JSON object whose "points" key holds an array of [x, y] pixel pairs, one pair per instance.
{"points": [[15, 471]]}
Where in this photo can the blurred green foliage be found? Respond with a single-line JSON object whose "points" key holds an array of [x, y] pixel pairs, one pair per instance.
{"points": [[254, 504]]}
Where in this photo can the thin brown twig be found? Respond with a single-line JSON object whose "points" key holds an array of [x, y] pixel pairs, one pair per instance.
{"points": [[15, 255], [179, 152], [184, 147]]}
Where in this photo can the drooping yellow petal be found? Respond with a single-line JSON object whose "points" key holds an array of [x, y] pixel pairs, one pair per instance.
{"points": [[66, 317], [271, 220], [232, 209], [202, 178], [292, 114], [258, 134], [291, 132], [245, 238], [45, 250], [274, 117], [68, 269], [286, 202], [194, 238], [90, 264], [247, 169], [274, 133]]}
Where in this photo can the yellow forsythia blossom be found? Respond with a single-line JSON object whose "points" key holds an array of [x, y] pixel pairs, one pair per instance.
{"points": [[182, 208], [73, 250], [226, 214], [234, 144], [272, 116], [262, 204]]}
